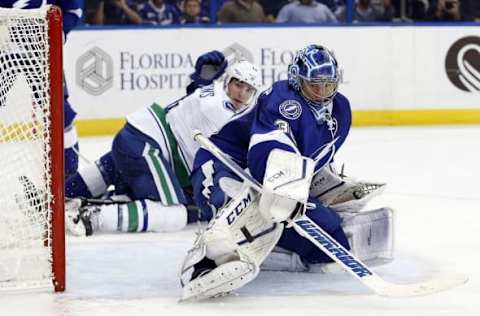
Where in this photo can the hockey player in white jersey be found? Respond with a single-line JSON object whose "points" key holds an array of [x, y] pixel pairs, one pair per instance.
{"points": [[152, 156], [296, 127]]}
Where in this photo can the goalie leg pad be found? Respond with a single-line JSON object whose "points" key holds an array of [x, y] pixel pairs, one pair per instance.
{"points": [[283, 260], [371, 235], [92, 180], [239, 227], [220, 281], [238, 240]]}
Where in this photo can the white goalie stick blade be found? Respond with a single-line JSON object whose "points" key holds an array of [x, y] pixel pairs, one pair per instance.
{"points": [[432, 286], [311, 231]]}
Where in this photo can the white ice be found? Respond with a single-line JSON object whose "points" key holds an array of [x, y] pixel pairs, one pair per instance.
{"points": [[432, 175]]}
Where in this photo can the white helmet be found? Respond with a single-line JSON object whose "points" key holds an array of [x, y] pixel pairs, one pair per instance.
{"points": [[243, 71]]}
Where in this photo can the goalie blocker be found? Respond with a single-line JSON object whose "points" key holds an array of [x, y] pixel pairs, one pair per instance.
{"points": [[229, 253]]}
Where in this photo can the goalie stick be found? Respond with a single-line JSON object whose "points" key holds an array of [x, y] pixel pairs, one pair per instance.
{"points": [[321, 239]]}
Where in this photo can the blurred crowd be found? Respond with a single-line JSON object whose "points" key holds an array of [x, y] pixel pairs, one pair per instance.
{"points": [[165, 12]]}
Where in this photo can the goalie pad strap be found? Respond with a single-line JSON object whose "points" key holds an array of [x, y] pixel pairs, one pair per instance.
{"points": [[250, 238]]}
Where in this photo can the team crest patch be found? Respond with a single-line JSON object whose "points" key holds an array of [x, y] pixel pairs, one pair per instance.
{"points": [[290, 109]]}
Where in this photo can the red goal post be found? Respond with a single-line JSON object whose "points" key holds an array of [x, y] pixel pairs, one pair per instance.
{"points": [[32, 232]]}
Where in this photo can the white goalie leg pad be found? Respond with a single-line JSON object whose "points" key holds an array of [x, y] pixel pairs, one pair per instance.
{"points": [[286, 261], [220, 281], [371, 238], [286, 184], [344, 194], [371, 235], [194, 256], [238, 240], [283, 260], [240, 228]]}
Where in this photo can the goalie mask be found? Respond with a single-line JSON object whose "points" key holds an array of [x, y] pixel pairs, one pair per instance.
{"points": [[314, 72], [242, 82]]}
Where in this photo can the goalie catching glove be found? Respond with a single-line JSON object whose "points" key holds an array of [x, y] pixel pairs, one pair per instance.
{"points": [[342, 193]]}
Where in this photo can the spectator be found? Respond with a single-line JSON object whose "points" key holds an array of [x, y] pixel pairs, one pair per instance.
{"points": [[116, 12], [89, 11], [192, 13], [306, 11], [177, 4], [445, 11], [272, 7], [241, 11], [159, 12], [365, 12], [470, 10], [382, 6], [331, 4], [418, 10], [207, 7]]}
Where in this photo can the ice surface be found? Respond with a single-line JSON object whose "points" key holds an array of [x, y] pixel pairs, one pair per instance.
{"points": [[432, 175]]}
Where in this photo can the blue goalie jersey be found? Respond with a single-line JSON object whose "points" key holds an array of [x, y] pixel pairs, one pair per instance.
{"points": [[283, 119]]}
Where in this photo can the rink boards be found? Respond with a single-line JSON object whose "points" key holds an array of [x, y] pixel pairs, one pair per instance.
{"points": [[393, 75]]}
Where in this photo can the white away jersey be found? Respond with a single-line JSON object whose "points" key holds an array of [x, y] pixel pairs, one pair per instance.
{"points": [[207, 110]]}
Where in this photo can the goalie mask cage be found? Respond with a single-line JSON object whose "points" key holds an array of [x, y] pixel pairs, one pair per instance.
{"points": [[32, 233]]}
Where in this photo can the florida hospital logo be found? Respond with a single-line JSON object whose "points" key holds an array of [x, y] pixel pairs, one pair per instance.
{"points": [[463, 64], [290, 109], [94, 71], [236, 51]]}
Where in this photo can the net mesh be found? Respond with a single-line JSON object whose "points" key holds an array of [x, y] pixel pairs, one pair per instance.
{"points": [[25, 171]]}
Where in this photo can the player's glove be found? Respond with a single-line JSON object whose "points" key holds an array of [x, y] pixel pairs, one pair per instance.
{"points": [[209, 67]]}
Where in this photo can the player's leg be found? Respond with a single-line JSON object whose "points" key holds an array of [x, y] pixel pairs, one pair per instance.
{"points": [[145, 168], [70, 137], [93, 180], [328, 220], [134, 216], [142, 173]]}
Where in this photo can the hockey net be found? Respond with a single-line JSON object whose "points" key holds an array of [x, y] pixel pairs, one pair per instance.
{"points": [[32, 246]]}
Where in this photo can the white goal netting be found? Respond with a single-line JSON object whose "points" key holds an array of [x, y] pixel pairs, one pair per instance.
{"points": [[25, 151]]}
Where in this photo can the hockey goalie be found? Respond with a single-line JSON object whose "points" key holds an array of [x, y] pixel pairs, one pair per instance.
{"points": [[296, 127], [252, 232]]}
